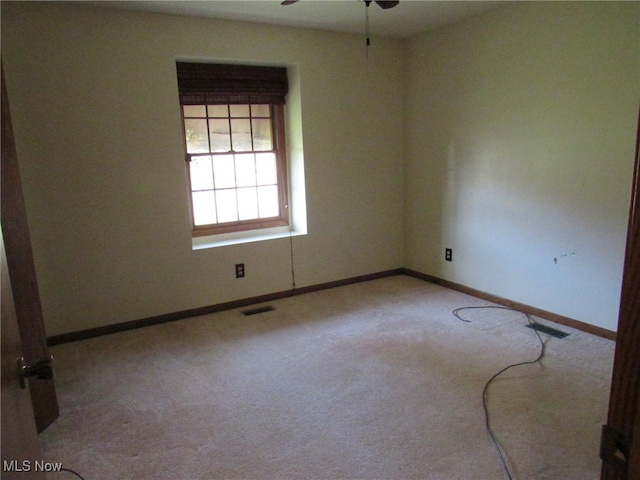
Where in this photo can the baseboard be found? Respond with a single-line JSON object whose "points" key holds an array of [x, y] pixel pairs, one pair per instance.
{"points": [[194, 312], [553, 317], [171, 317]]}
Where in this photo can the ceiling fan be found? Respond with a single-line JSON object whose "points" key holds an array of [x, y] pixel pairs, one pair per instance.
{"points": [[385, 4], [382, 3]]}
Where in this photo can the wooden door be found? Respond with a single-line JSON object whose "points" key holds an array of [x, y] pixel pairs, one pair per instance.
{"points": [[22, 272], [20, 448], [620, 451]]}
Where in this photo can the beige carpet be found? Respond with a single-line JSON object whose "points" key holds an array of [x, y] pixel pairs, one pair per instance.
{"points": [[376, 380]]}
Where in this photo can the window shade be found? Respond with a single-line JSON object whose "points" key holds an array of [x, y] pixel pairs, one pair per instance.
{"points": [[215, 83]]}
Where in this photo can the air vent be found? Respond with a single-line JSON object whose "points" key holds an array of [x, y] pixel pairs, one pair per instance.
{"points": [[548, 330], [255, 311]]}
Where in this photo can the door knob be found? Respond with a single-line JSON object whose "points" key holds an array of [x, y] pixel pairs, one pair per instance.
{"points": [[42, 370]]}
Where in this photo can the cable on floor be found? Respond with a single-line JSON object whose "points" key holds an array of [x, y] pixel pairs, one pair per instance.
{"points": [[71, 471], [486, 387]]}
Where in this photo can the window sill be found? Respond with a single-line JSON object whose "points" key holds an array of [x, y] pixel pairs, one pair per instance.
{"points": [[236, 238]]}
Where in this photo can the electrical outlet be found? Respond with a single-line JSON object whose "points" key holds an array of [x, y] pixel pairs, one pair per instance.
{"points": [[448, 254], [239, 270]]}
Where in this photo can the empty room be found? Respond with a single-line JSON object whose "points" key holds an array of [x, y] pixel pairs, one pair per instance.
{"points": [[324, 239]]}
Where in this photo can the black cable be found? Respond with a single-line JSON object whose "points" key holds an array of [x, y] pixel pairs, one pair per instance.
{"points": [[486, 387], [72, 471], [293, 268]]}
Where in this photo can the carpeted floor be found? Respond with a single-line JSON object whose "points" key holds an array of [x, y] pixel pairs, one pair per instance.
{"points": [[376, 380]]}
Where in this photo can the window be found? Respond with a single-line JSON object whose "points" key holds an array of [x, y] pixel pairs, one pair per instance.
{"points": [[233, 118]]}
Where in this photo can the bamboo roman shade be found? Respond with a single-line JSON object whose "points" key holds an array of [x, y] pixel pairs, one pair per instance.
{"points": [[219, 83]]}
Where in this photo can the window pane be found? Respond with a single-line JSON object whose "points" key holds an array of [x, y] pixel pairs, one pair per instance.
{"points": [[262, 134], [204, 208], [201, 173], [245, 170], [219, 135], [239, 110], [241, 135], [247, 203], [196, 136], [224, 171], [260, 111], [268, 201], [227, 205], [219, 111], [266, 173], [194, 111]]}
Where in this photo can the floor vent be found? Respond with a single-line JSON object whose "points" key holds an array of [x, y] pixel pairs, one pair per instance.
{"points": [[548, 330], [255, 311]]}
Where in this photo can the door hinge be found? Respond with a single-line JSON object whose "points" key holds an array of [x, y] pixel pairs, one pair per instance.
{"points": [[615, 448]]}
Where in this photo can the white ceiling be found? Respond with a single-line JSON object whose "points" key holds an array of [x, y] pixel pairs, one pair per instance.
{"points": [[406, 19]]}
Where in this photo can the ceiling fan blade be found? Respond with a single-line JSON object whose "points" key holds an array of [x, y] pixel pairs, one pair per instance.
{"points": [[387, 4], [289, 2]]}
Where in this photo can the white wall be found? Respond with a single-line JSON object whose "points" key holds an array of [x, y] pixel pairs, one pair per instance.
{"points": [[520, 128], [95, 109]]}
